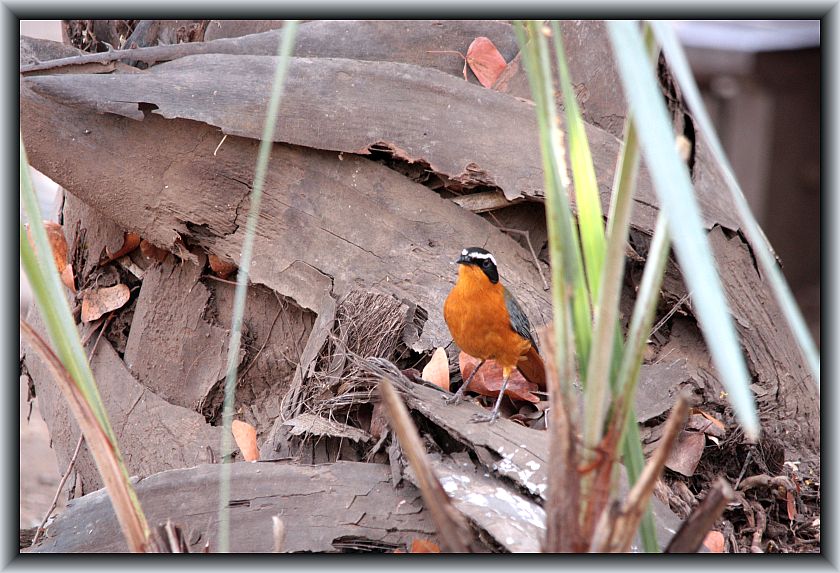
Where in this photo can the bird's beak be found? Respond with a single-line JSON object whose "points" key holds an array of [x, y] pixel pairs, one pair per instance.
{"points": [[462, 260]]}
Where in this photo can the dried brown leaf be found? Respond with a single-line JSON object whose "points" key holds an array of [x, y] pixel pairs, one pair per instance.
{"points": [[710, 417], [151, 251], [246, 439], [130, 242], [702, 423], [437, 370], [58, 244], [686, 453], [221, 268], [485, 60], [791, 506], [67, 278], [424, 546], [97, 302], [488, 380], [714, 542]]}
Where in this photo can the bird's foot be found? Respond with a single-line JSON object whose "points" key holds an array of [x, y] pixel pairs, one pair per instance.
{"points": [[485, 417], [452, 400]]}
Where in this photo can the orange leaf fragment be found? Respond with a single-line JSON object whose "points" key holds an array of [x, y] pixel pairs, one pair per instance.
{"points": [[246, 439], [68, 279], [58, 245], [488, 380], [151, 251], [714, 541], [424, 546], [437, 370], [791, 506], [485, 60], [130, 242], [709, 417], [97, 302], [222, 268]]}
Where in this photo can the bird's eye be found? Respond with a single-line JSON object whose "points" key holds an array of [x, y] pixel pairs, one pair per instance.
{"points": [[486, 263]]}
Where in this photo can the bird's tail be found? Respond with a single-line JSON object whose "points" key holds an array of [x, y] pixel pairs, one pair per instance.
{"points": [[532, 368]]}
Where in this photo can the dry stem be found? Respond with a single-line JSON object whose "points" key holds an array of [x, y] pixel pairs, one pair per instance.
{"points": [[452, 528], [690, 536]]}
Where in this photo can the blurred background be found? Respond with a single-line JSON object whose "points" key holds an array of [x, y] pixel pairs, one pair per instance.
{"points": [[761, 83]]}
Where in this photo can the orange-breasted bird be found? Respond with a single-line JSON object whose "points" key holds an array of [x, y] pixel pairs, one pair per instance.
{"points": [[487, 323]]}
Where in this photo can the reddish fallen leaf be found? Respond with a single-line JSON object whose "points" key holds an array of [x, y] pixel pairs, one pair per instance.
{"points": [[97, 302], [485, 60], [709, 417], [686, 453], [714, 542], [68, 279], [424, 546], [221, 268], [421, 546], [246, 439], [791, 506], [130, 242], [488, 380], [707, 425], [151, 251], [437, 370], [58, 245]]}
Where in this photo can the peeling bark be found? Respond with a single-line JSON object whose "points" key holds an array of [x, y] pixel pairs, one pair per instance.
{"points": [[152, 434], [318, 209], [326, 508]]}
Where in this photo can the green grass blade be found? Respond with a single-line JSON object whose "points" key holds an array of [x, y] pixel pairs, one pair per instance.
{"points": [[758, 242], [57, 316], [590, 217], [538, 67], [266, 144], [631, 443], [50, 297], [605, 261], [627, 379], [673, 185], [645, 309]]}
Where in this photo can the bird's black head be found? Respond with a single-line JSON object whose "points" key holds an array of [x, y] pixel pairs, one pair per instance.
{"points": [[482, 259]]}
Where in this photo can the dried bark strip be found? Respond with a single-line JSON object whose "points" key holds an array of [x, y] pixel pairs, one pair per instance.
{"points": [[328, 502], [407, 41], [508, 450], [515, 522], [690, 536], [172, 349], [153, 435], [368, 105], [454, 534], [314, 236]]}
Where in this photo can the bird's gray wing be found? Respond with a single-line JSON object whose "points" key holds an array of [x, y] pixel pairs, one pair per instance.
{"points": [[518, 319]]}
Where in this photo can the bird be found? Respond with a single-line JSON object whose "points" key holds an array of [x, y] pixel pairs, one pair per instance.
{"points": [[486, 322]]}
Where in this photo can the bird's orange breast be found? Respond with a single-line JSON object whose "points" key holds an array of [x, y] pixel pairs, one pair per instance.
{"points": [[478, 319]]}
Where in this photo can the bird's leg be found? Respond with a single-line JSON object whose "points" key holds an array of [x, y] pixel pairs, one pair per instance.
{"points": [[460, 393], [494, 414]]}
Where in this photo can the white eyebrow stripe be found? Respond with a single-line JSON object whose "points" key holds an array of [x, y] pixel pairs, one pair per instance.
{"points": [[464, 253], [483, 256]]}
